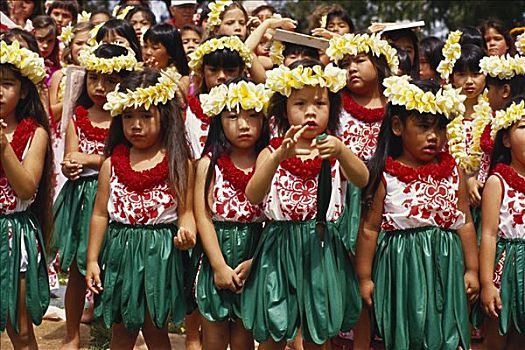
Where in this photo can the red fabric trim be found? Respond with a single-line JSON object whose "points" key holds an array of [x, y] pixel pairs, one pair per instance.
{"points": [[238, 178], [23, 132], [196, 108], [486, 142], [92, 133], [511, 176], [367, 115], [438, 171]]}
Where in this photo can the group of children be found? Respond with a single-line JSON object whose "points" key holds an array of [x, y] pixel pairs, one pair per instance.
{"points": [[298, 202]]}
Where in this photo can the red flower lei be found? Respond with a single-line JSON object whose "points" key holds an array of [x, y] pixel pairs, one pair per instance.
{"points": [[196, 108], [367, 115], [486, 142], [138, 181], [304, 169], [92, 133], [438, 171], [511, 176], [238, 178], [23, 132]]}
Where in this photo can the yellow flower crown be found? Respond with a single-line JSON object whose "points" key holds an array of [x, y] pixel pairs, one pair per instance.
{"points": [[30, 64], [447, 101], [161, 92], [121, 14], [67, 35], [243, 95], [216, 8], [451, 53], [227, 42], [92, 41], [91, 62], [520, 44], [505, 118], [503, 67], [276, 52], [283, 79], [83, 17], [353, 44]]}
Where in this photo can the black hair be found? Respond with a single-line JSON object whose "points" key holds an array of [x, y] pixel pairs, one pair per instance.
{"points": [[296, 49], [516, 83], [15, 34], [68, 5], [124, 29], [217, 144], [150, 16], [405, 67], [431, 48], [258, 9], [277, 107], [193, 28], [471, 35], [43, 21], [170, 38], [390, 145], [143, 3], [469, 59], [500, 28], [395, 35], [343, 15], [172, 135]]}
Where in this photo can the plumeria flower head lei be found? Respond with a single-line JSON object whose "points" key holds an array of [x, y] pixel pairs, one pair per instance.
{"points": [[92, 41], [451, 53], [67, 35], [283, 79], [29, 63], [505, 118], [520, 44], [83, 17], [232, 43], [276, 52], [236, 96], [503, 67], [216, 8], [160, 93], [447, 101], [354, 44], [91, 62], [121, 14]]}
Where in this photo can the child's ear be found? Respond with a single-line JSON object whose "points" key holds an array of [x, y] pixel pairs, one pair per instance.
{"points": [[23, 92], [505, 93], [397, 126], [506, 139]]}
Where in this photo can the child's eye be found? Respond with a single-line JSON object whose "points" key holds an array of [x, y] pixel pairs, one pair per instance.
{"points": [[126, 116]]}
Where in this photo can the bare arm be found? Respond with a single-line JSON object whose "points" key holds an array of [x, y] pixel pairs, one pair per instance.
{"points": [[56, 104], [270, 23], [186, 235], [75, 161]]}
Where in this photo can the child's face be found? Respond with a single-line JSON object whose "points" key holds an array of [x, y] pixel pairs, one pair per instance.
{"points": [[62, 18], [496, 44], [406, 44], [337, 25], [46, 41], [242, 129], [309, 106], [140, 23], [362, 74], [98, 86], [190, 41], [515, 140], [155, 55], [471, 83], [288, 60], [113, 37], [264, 14], [498, 95], [425, 71], [233, 23], [78, 44], [99, 18], [23, 8], [142, 127], [10, 90], [215, 76]]}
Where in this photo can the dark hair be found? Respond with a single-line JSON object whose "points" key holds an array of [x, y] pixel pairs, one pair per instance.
{"points": [[296, 49], [68, 5], [343, 16], [170, 38], [277, 108], [500, 28], [15, 34], [516, 83], [103, 51], [405, 67], [217, 144], [124, 29], [431, 48], [469, 59], [390, 145], [261, 8], [143, 3], [172, 134], [395, 35], [233, 6], [471, 35], [78, 28], [380, 63], [31, 106], [150, 16], [99, 11], [193, 28], [43, 21]]}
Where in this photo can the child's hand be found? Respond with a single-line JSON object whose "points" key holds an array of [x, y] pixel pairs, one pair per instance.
{"points": [[185, 239], [472, 285], [242, 271], [283, 23], [71, 169], [3, 137], [367, 291], [324, 33], [227, 278], [474, 188], [253, 22], [329, 147], [491, 301], [287, 148], [93, 277]]}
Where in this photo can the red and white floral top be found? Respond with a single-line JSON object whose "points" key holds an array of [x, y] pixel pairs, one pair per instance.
{"points": [[360, 127], [91, 139], [426, 196], [197, 125], [229, 201], [140, 197], [512, 211], [487, 144], [293, 191]]}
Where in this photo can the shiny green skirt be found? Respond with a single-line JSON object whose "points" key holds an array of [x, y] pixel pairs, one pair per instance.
{"points": [[238, 243], [24, 226], [419, 294], [72, 210], [476, 220], [142, 269], [512, 290], [298, 281], [351, 217]]}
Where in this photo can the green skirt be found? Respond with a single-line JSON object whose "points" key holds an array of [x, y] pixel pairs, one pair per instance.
{"points": [[24, 226], [350, 219], [238, 243], [192, 260], [512, 290], [72, 210], [476, 220], [419, 295], [298, 281], [142, 268]]}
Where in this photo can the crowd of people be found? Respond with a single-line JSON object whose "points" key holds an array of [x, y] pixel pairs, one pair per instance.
{"points": [[353, 186]]}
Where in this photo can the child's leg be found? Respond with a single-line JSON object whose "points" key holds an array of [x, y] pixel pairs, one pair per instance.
{"points": [[270, 344], [312, 346], [25, 339], [215, 335], [193, 334], [240, 338], [493, 340], [362, 333], [155, 338], [515, 341], [74, 303], [121, 338], [297, 343]]}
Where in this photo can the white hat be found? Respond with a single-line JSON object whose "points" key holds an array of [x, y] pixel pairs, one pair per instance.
{"points": [[183, 2]]}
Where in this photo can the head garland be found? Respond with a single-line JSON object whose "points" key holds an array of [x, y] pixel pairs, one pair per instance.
{"points": [[276, 52], [91, 62], [226, 42], [160, 93], [83, 17], [520, 44], [92, 41], [447, 101], [283, 79], [505, 118], [354, 44], [235, 96], [121, 14], [451, 53], [216, 8], [67, 35], [30, 64], [503, 67]]}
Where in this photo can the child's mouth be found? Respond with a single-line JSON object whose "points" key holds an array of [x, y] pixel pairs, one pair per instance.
{"points": [[310, 123]]}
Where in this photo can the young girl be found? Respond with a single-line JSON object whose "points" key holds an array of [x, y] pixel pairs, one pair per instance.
{"points": [[25, 204], [191, 38], [497, 39], [300, 272], [429, 57], [141, 19], [425, 256], [145, 192], [120, 32], [46, 34], [503, 232], [229, 226], [85, 137]]}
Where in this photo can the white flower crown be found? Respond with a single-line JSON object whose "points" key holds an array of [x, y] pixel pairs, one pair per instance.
{"points": [[226, 42], [91, 62], [30, 64], [503, 67], [451, 53], [505, 118], [216, 8]]}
